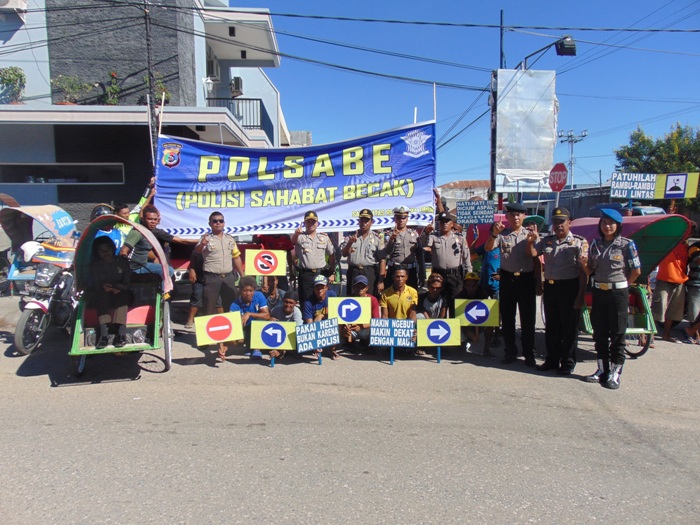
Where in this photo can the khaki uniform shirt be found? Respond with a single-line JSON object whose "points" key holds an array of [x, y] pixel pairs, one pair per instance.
{"points": [[561, 256], [514, 254], [312, 251], [218, 255], [366, 251], [449, 251], [403, 249], [612, 260]]}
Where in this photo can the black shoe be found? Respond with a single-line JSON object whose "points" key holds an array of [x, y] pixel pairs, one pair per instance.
{"points": [[488, 354], [547, 365], [102, 342], [119, 341], [564, 371], [508, 359], [530, 361]]}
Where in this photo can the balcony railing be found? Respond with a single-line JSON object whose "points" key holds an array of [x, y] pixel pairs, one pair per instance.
{"points": [[250, 112]]}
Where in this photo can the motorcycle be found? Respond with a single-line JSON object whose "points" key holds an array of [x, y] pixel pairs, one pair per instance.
{"points": [[49, 300]]}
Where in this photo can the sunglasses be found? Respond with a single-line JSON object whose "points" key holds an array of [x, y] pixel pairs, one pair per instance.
{"points": [[217, 221]]}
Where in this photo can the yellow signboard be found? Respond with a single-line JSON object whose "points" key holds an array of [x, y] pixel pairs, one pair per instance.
{"points": [[439, 332], [350, 310], [265, 262], [676, 186], [218, 328], [273, 335], [477, 312]]}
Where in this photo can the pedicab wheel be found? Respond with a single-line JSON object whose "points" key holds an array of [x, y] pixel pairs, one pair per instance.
{"points": [[30, 329], [167, 332], [637, 344], [78, 362]]}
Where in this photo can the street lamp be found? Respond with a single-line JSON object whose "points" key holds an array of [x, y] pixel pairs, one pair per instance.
{"points": [[208, 84], [565, 47], [571, 138]]}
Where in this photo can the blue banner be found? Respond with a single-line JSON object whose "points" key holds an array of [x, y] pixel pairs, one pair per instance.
{"points": [[269, 190]]}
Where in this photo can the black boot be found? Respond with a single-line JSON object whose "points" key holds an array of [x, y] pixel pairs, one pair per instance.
{"points": [[120, 338], [103, 336], [595, 376], [613, 381]]}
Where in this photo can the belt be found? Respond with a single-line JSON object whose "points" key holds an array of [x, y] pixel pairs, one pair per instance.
{"points": [[449, 271], [363, 266], [311, 270], [222, 275], [610, 286], [558, 281], [408, 266], [516, 274]]}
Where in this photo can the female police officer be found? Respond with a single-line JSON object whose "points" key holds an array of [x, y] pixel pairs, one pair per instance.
{"points": [[614, 264]]}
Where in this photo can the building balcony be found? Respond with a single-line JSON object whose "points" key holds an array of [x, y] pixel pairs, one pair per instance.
{"points": [[249, 112]]}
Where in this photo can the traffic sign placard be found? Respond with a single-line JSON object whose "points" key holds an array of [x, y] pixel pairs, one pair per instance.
{"points": [[273, 335], [438, 332], [318, 335], [558, 176], [350, 310], [218, 328], [477, 312], [393, 332], [265, 262]]}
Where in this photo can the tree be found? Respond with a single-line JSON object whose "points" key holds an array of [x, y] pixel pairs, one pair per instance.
{"points": [[677, 152]]}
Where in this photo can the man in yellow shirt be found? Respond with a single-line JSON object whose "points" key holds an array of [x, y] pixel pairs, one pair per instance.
{"points": [[399, 301]]}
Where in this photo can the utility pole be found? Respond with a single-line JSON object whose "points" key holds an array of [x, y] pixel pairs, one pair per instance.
{"points": [[571, 138], [151, 84]]}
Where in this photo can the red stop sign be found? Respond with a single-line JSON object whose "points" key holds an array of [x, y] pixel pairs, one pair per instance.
{"points": [[557, 177], [219, 328]]}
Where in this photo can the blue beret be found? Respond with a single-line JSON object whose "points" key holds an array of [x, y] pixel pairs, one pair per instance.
{"points": [[611, 214]]}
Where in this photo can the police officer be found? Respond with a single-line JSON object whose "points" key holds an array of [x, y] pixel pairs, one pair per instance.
{"points": [[613, 262], [402, 248], [564, 286], [220, 255], [450, 254], [517, 284], [311, 248], [365, 254]]}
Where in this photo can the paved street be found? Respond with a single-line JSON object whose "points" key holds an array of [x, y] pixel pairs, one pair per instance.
{"points": [[351, 441]]}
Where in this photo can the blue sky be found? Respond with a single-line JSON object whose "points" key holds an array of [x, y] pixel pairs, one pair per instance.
{"points": [[645, 79]]}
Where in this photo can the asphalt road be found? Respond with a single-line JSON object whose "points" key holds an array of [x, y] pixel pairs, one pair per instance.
{"points": [[350, 441]]}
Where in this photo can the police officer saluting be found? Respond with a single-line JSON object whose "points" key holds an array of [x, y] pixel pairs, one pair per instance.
{"points": [[365, 252], [518, 282], [564, 286], [450, 254], [311, 248], [402, 248]]}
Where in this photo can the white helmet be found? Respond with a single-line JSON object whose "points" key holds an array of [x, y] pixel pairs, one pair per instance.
{"points": [[30, 249]]}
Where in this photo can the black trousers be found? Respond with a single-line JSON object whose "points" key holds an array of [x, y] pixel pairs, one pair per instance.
{"points": [[412, 277], [305, 287], [609, 319], [216, 285], [368, 271], [562, 322], [518, 293]]}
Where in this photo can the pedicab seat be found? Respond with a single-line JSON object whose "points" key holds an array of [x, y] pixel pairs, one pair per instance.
{"points": [[138, 315]]}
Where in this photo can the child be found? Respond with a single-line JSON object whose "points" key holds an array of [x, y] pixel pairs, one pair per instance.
{"points": [[471, 290], [252, 305]]}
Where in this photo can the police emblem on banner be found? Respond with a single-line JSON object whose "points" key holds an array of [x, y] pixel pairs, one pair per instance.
{"points": [[415, 143], [171, 154]]}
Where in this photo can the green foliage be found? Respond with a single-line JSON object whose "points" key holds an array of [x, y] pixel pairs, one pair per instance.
{"points": [[112, 90], [12, 83], [71, 87], [677, 152], [159, 87]]}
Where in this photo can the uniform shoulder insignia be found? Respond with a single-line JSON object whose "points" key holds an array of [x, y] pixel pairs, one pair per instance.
{"points": [[321, 234], [580, 237]]}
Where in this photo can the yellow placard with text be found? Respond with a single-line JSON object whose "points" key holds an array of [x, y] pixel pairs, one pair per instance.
{"points": [[273, 335], [439, 332], [477, 312], [218, 328], [350, 310], [265, 262]]}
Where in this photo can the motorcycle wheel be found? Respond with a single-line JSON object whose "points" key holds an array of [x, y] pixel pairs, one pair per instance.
{"points": [[78, 362], [31, 328]]}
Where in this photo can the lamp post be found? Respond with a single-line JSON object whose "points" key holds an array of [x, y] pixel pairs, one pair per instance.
{"points": [[565, 47], [571, 138]]}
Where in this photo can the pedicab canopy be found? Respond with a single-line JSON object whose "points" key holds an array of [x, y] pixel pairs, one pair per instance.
{"points": [[83, 254], [655, 235], [24, 223]]}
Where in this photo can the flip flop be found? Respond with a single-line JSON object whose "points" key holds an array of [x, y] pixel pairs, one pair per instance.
{"points": [[689, 340], [670, 340]]}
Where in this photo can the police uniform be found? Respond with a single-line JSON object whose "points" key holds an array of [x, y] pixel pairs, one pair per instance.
{"points": [[611, 263], [517, 290], [562, 284], [219, 277], [311, 252], [366, 252], [403, 251]]}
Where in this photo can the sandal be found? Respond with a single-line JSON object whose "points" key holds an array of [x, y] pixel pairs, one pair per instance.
{"points": [[189, 325], [222, 353]]}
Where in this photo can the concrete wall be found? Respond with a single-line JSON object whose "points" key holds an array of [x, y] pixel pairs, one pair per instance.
{"points": [[31, 54], [256, 84]]}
